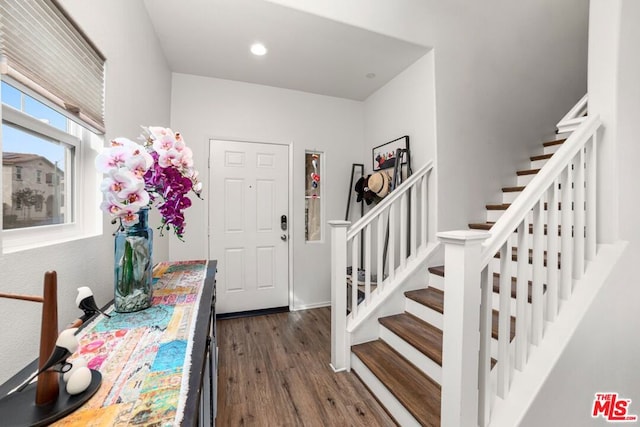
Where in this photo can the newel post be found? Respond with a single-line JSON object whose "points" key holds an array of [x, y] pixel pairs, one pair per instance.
{"points": [[339, 340], [461, 326]]}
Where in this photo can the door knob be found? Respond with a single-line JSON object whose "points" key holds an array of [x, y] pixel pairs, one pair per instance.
{"points": [[283, 237]]}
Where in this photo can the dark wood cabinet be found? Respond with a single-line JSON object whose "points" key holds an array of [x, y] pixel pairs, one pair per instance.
{"points": [[186, 297]]}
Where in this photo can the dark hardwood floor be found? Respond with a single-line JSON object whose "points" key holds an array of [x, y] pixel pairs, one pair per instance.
{"points": [[274, 371]]}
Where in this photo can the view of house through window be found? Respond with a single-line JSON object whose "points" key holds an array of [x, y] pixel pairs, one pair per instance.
{"points": [[37, 163], [313, 200]]}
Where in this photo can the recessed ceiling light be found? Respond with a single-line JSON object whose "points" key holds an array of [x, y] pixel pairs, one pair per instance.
{"points": [[258, 49], [371, 75]]}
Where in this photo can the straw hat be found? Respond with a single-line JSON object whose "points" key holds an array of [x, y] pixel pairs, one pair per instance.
{"points": [[379, 183]]}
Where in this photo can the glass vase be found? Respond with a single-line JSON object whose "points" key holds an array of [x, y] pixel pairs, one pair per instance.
{"points": [[133, 266]]}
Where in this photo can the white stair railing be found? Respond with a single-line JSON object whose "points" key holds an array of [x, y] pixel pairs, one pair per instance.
{"points": [[555, 214], [574, 117], [398, 228]]}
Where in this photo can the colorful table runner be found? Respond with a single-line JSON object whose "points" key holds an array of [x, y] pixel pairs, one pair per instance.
{"points": [[144, 357]]}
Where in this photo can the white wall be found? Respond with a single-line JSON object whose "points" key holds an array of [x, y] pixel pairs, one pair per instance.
{"points": [[137, 93], [505, 73], [206, 108], [603, 355], [406, 106]]}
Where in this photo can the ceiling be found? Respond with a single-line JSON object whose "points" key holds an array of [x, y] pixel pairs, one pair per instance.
{"points": [[306, 52]]}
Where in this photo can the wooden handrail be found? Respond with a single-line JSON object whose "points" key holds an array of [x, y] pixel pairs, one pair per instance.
{"points": [[533, 192], [387, 201]]}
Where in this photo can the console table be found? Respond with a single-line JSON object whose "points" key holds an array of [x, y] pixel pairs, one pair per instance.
{"points": [[158, 365]]}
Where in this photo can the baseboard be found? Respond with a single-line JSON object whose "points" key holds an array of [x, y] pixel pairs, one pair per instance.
{"points": [[251, 313], [310, 306]]}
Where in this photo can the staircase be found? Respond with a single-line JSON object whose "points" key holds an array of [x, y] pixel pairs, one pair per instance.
{"points": [[515, 297], [411, 342]]}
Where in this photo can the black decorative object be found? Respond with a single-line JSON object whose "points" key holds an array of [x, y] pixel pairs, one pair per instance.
{"points": [[20, 409], [49, 398]]}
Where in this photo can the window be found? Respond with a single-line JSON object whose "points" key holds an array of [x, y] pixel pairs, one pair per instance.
{"points": [[52, 92], [28, 141], [313, 196], [38, 140]]}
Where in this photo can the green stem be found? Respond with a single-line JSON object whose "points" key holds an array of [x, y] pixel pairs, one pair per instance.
{"points": [[127, 269]]}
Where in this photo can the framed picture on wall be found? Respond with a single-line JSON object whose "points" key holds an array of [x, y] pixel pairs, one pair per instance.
{"points": [[384, 156]]}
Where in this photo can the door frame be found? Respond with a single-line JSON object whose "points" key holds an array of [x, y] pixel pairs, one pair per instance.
{"points": [[290, 215]]}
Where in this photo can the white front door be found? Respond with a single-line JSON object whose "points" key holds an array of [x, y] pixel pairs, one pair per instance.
{"points": [[249, 184]]}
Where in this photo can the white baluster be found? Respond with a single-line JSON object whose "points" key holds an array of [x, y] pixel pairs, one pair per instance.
{"points": [[552, 252], [522, 297], [578, 212], [380, 251], [424, 213], [504, 320], [403, 231], [484, 374], [591, 198], [355, 257], [537, 305], [367, 263], [340, 346], [413, 220], [566, 244], [391, 251]]}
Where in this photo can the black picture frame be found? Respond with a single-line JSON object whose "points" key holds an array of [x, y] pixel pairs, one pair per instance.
{"points": [[384, 156]]}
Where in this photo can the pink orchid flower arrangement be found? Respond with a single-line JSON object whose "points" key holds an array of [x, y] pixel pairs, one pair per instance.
{"points": [[157, 172]]}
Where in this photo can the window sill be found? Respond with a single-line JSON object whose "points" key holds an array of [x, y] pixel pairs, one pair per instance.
{"points": [[25, 240]]}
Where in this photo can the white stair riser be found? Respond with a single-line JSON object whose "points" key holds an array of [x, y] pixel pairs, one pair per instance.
{"points": [[423, 312], [409, 352], [391, 404], [524, 179], [537, 164], [510, 196], [551, 149], [493, 216], [436, 281]]}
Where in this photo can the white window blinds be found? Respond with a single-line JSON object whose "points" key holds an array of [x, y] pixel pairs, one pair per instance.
{"points": [[43, 49]]}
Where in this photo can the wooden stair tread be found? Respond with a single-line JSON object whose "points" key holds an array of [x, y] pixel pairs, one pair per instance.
{"points": [[527, 172], [552, 143], [496, 286], [481, 225], [438, 270], [514, 286], [505, 206], [408, 327], [429, 297], [418, 393], [512, 189], [487, 226], [498, 207], [423, 336], [541, 157]]}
